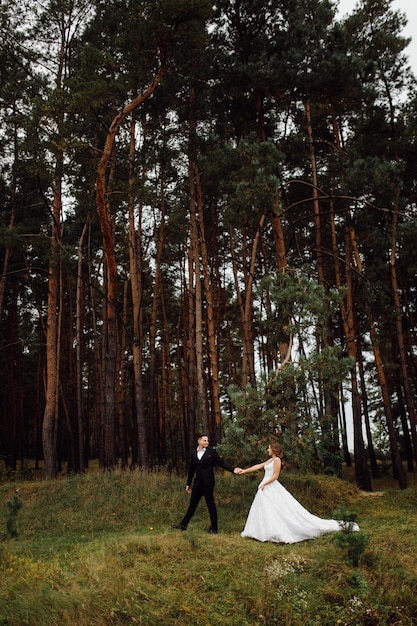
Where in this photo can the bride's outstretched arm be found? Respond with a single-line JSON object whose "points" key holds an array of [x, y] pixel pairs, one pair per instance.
{"points": [[253, 468]]}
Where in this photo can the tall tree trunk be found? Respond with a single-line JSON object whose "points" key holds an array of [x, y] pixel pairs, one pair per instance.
{"points": [[190, 376], [109, 415], [195, 282], [157, 415], [331, 447], [407, 439], [50, 425], [316, 203], [50, 418], [79, 316], [347, 314], [402, 353], [166, 396], [98, 384], [277, 228], [395, 453], [8, 250], [121, 382], [397, 461], [343, 429], [196, 288], [136, 270], [212, 345], [371, 450], [246, 304], [361, 468]]}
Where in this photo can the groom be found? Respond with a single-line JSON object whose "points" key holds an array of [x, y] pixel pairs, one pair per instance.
{"points": [[202, 462]]}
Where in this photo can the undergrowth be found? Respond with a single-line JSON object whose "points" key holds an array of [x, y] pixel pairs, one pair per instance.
{"points": [[98, 550]]}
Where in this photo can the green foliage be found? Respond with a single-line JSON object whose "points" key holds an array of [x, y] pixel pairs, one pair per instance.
{"points": [[239, 446], [283, 403], [349, 517], [352, 543], [13, 507], [252, 182]]}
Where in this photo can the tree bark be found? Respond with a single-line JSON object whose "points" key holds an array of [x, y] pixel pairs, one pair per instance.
{"points": [[196, 289], [79, 316], [157, 413], [212, 344], [246, 304], [121, 382], [110, 357], [347, 314], [50, 418], [402, 354], [395, 453], [135, 266]]}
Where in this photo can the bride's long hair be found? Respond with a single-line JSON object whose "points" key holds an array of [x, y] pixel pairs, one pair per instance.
{"points": [[277, 450]]}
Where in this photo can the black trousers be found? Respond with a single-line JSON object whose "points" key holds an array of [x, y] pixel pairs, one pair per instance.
{"points": [[196, 495]]}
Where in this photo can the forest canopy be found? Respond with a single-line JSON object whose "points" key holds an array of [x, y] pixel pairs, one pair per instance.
{"points": [[207, 224]]}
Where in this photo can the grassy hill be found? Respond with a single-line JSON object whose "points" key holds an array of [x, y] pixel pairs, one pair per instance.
{"points": [[99, 550]]}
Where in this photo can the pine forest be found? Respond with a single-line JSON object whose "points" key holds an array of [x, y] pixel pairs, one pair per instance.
{"points": [[208, 224]]}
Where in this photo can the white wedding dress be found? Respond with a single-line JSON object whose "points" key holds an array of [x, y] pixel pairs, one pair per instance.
{"points": [[275, 515]]}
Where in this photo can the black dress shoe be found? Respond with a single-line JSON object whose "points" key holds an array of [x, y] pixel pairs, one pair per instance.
{"points": [[179, 526], [212, 531]]}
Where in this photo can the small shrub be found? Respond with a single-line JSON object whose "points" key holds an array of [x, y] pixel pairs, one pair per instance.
{"points": [[353, 543], [348, 518], [13, 506], [358, 582]]}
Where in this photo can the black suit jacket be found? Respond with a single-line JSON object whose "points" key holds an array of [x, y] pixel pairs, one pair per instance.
{"points": [[204, 469]]}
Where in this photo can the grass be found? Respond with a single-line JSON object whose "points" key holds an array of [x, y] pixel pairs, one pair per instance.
{"points": [[99, 550]]}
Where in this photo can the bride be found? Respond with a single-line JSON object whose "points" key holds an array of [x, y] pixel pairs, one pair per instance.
{"points": [[275, 515]]}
